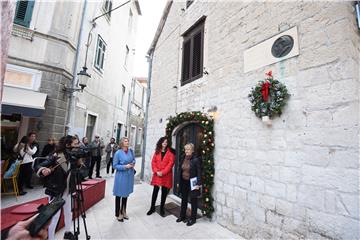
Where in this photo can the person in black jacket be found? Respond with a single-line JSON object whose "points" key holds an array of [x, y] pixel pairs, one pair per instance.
{"points": [[189, 183], [58, 181], [49, 148]]}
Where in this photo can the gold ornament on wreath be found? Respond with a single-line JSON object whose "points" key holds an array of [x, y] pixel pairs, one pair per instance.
{"points": [[268, 98]]}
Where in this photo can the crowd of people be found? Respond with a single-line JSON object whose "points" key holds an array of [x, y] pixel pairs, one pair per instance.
{"points": [[55, 169]]}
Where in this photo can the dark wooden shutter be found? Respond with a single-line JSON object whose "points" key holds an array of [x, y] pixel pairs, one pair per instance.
{"points": [[188, 3], [23, 12], [197, 55], [186, 60], [110, 7]]}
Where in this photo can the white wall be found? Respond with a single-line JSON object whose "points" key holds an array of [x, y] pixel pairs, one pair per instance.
{"points": [[103, 93], [300, 177]]}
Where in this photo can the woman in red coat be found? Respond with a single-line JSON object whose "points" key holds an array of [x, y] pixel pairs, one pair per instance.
{"points": [[162, 164]]}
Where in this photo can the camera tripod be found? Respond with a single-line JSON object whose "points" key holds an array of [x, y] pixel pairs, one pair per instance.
{"points": [[77, 204]]}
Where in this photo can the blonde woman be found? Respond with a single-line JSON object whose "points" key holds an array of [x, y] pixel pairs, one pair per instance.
{"points": [[123, 162], [190, 169]]}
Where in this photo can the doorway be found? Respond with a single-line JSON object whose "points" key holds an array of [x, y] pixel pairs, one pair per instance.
{"points": [[192, 133]]}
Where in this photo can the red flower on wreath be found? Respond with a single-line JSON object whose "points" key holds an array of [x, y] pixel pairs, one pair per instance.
{"points": [[269, 74]]}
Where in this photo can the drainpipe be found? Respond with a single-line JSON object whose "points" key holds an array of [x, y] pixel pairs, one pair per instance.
{"points": [[148, 93], [70, 118]]}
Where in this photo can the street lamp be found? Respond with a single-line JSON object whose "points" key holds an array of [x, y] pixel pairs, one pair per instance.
{"points": [[83, 78]]}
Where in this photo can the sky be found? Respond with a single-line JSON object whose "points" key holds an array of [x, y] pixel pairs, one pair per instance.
{"points": [[147, 25]]}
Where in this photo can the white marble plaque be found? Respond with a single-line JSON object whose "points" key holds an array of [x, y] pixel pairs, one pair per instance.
{"points": [[260, 55]]}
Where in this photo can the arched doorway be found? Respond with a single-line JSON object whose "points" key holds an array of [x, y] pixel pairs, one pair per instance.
{"points": [[190, 133]]}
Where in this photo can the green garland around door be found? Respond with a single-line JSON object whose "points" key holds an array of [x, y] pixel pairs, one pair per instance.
{"points": [[207, 147]]}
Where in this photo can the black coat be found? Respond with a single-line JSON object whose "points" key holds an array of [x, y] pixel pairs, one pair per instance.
{"points": [[47, 150], [195, 171], [57, 181]]}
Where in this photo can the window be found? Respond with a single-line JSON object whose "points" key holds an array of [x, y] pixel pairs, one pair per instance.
{"points": [[139, 137], [193, 51], [122, 95], [100, 54], [23, 12], [107, 6], [90, 126], [188, 3], [130, 20], [126, 56]]}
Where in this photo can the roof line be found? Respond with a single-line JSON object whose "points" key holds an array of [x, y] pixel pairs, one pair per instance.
{"points": [[160, 27]]}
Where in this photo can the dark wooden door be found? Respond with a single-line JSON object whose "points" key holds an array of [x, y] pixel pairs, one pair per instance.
{"points": [[192, 133]]}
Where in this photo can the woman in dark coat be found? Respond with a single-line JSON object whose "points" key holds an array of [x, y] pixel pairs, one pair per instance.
{"points": [[162, 164], [49, 148], [190, 173]]}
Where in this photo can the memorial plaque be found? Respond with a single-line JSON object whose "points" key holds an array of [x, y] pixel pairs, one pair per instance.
{"points": [[277, 48]]}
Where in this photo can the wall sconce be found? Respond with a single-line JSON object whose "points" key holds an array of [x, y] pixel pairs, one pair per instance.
{"points": [[212, 111], [83, 79]]}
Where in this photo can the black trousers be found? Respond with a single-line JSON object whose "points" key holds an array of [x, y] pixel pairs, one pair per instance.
{"points": [[164, 192], [120, 209], [108, 166], [25, 175], [94, 160], [185, 191]]}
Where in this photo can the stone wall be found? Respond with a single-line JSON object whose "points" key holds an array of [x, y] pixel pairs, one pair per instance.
{"points": [[300, 177], [52, 122]]}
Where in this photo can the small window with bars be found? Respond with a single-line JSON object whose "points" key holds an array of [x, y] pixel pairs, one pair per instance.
{"points": [[100, 54], [107, 6], [193, 53], [23, 13]]}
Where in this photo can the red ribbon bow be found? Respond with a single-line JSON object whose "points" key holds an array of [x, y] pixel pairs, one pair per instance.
{"points": [[265, 90]]}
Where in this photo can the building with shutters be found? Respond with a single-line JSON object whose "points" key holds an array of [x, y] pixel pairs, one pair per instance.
{"points": [[296, 179], [47, 50], [102, 107]]}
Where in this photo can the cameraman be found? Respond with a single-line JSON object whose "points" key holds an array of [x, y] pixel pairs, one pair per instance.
{"points": [[57, 174]]}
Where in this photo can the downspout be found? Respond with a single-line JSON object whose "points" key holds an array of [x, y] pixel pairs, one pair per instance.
{"points": [[148, 94], [71, 112]]}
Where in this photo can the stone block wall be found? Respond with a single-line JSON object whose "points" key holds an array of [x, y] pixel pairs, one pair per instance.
{"points": [[300, 177]]}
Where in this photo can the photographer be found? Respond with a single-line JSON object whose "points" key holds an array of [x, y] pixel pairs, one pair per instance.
{"points": [[57, 174]]}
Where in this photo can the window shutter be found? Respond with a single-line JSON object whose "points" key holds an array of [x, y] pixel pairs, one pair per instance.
{"points": [[23, 13], [188, 3], [110, 7], [197, 55], [186, 60]]}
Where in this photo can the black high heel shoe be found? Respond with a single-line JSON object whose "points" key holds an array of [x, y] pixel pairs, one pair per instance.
{"points": [[151, 211]]}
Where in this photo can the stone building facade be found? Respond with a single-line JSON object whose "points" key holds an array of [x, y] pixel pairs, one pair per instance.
{"points": [[103, 105], [298, 178], [40, 62]]}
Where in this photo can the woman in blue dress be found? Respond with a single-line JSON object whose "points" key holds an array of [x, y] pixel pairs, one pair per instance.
{"points": [[123, 162]]}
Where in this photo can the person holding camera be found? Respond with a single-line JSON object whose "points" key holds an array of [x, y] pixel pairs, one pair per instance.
{"points": [[59, 180], [123, 162]]}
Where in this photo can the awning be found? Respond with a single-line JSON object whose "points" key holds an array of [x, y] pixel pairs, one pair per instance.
{"points": [[21, 101]]}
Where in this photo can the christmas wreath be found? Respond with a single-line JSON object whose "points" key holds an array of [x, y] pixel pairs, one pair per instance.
{"points": [[207, 149], [268, 97]]}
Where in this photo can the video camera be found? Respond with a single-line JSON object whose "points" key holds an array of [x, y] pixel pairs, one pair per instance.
{"points": [[82, 152]]}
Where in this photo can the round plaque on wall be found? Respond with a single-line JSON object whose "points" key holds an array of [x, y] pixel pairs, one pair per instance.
{"points": [[282, 46]]}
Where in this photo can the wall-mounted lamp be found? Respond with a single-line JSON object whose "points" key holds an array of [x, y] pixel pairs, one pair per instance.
{"points": [[212, 111], [83, 76]]}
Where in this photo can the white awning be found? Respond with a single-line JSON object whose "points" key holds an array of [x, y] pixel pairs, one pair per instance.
{"points": [[22, 101]]}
